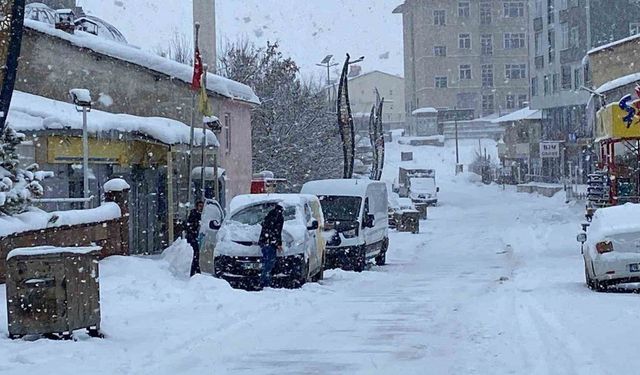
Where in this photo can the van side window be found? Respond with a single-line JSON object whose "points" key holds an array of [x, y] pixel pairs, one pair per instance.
{"points": [[366, 207], [307, 213]]}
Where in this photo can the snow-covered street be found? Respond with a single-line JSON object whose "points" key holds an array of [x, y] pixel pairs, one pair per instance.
{"points": [[493, 284]]}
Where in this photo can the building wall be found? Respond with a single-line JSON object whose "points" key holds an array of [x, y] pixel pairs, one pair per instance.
{"points": [[50, 67], [422, 66], [615, 62], [391, 88]]}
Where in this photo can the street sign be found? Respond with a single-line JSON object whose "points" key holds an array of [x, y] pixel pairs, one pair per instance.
{"points": [[549, 150]]}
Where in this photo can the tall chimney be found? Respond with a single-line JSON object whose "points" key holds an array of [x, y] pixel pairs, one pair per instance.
{"points": [[204, 12]]}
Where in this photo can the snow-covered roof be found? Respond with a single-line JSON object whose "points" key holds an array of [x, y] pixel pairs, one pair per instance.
{"points": [[103, 28], [519, 115], [215, 83], [618, 82], [613, 44], [209, 173], [38, 219], [46, 250], [339, 187], [116, 184], [424, 110], [242, 201], [35, 113]]}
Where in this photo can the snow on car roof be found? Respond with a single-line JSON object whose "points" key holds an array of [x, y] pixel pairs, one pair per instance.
{"points": [[611, 221], [340, 187], [242, 201]]}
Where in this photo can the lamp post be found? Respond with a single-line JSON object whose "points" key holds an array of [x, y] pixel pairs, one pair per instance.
{"points": [[326, 63], [81, 98], [455, 122]]}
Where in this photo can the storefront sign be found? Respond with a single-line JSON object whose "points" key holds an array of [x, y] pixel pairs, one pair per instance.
{"points": [[549, 150]]}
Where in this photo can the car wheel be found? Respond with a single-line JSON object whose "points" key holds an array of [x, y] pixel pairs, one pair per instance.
{"points": [[299, 280], [381, 259], [587, 278], [361, 260]]}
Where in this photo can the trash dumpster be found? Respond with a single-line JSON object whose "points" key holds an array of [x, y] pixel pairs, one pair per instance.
{"points": [[408, 221], [53, 291]]}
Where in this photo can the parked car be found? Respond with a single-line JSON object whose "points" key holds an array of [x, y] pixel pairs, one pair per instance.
{"points": [[398, 205], [611, 248], [356, 221], [423, 190], [238, 257]]}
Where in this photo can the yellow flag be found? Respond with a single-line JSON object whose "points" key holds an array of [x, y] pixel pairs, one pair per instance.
{"points": [[203, 102]]}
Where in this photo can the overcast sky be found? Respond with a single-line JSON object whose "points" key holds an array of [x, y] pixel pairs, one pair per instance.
{"points": [[308, 30]]}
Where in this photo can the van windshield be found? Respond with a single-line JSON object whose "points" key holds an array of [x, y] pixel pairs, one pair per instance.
{"points": [[254, 215], [427, 185], [337, 208]]}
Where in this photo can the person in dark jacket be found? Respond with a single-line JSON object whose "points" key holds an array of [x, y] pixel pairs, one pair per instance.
{"points": [[193, 235], [270, 242]]}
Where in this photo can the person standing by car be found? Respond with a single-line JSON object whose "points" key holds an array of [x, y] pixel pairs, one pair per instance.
{"points": [[193, 235], [270, 242]]}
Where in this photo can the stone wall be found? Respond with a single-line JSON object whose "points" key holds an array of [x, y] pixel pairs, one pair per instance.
{"points": [[50, 66]]}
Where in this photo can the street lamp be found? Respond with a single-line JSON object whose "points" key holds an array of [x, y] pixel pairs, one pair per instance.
{"points": [[326, 63], [81, 98]]}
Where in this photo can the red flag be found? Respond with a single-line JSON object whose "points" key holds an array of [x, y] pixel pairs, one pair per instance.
{"points": [[198, 70]]}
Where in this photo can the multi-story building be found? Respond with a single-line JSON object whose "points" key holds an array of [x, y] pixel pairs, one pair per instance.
{"points": [[362, 92], [562, 32], [465, 54]]}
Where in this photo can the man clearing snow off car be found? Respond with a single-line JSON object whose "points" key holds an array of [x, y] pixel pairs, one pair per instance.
{"points": [[270, 242]]}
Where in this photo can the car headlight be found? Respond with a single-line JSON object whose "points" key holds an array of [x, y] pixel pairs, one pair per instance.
{"points": [[350, 233]]}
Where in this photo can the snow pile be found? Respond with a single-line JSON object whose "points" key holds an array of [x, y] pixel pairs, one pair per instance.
{"points": [[178, 256], [37, 219], [215, 83], [35, 113], [45, 250], [116, 184]]}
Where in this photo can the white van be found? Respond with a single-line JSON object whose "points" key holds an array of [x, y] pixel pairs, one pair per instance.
{"points": [[356, 221], [238, 258]]}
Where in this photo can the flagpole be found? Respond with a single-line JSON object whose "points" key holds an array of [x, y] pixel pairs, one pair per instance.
{"points": [[204, 132], [193, 120]]}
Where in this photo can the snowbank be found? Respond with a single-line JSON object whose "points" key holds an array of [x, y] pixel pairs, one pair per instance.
{"points": [[35, 113], [217, 84], [37, 219], [178, 256], [116, 184]]}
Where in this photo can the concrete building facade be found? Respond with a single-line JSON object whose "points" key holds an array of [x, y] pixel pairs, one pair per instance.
{"points": [[362, 92], [469, 54]]}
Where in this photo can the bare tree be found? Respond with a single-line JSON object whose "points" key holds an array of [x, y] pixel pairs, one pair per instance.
{"points": [[179, 48]]}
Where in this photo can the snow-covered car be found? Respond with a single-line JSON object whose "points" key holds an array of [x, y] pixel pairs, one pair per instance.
{"points": [[238, 257], [357, 225], [611, 249], [423, 190]]}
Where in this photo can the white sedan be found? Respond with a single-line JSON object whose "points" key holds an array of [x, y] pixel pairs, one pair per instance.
{"points": [[611, 249]]}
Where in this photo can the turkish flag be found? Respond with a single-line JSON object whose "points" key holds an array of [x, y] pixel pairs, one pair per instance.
{"points": [[198, 70]]}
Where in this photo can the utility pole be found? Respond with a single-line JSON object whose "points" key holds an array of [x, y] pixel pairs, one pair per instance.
{"points": [[203, 162], [326, 63], [193, 124], [85, 158], [455, 121]]}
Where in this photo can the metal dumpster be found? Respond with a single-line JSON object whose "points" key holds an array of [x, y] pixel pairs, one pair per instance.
{"points": [[408, 221], [53, 291]]}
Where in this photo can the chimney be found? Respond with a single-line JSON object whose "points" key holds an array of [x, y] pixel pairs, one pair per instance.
{"points": [[204, 12]]}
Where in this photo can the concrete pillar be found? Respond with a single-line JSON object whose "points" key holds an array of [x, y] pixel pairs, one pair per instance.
{"points": [[204, 12]]}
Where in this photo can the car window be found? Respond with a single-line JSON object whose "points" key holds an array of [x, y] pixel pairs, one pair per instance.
{"points": [[255, 214]]}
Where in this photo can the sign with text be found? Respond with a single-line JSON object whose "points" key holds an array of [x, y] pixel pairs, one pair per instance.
{"points": [[549, 150]]}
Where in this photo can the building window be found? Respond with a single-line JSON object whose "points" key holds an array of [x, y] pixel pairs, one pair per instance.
{"points": [[537, 42], [556, 87], [439, 18], [534, 86], [523, 100], [464, 41], [511, 101], [634, 28], [440, 51], [539, 8], [513, 9], [516, 71], [577, 78], [487, 75], [566, 77], [564, 36], [486, 41], [227, 131], [550, 12], [514, 40], [465, 72], [574, 37], [551, 36], [487, 104], [547, 85], [463, 9], [485, 13], [441, 82]]}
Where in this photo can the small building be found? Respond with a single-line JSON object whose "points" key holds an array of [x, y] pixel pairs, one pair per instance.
{"points": [[521, 150], [424, 122], [126, 79], [149, 153]]}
